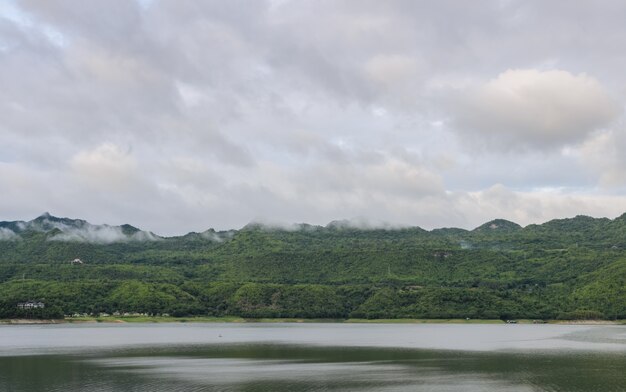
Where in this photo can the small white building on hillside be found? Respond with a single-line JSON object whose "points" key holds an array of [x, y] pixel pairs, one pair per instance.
{"points": [[31, 305]]}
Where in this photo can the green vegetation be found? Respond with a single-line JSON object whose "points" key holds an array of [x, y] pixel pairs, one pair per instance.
{"points": [[563, 269]]}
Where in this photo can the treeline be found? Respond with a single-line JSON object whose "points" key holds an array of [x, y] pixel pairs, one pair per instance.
{"points": [[259, 300]]}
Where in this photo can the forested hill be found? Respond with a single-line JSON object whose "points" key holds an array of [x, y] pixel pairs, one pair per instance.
{"points": [[566, 268]]}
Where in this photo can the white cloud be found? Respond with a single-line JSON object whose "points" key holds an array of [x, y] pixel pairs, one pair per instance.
{"points": [[528, 108], [8, 235], [101, 234]]}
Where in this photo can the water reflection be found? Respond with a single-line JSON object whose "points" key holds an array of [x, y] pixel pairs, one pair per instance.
{"points": [[53, 339], [270, 366]]}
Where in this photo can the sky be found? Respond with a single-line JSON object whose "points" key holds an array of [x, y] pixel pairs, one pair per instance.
{"points": [[180, 115]]}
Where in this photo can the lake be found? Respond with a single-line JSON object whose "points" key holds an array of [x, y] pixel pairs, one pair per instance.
{"points": [[312, 357]]}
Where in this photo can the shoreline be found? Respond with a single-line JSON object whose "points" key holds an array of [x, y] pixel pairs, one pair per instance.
{"points": [[159, 319]]}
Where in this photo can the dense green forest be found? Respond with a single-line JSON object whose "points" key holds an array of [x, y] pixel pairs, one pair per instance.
{"points": [[567, 268]]}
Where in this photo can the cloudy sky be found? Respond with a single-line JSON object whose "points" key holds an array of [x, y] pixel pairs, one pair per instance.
{"points": [[178, 115]]}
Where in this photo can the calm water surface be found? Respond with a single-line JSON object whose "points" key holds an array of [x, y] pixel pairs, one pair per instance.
{"points": [[312, 357]]}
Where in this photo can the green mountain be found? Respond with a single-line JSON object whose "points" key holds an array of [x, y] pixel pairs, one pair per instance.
{"points": [[498, 225], [565, 268]]}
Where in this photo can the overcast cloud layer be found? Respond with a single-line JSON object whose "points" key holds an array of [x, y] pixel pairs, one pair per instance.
{"points": [[182, 115]]}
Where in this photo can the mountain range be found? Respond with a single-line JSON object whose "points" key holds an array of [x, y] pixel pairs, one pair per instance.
{"points": [[564, 268], [68, 229]]}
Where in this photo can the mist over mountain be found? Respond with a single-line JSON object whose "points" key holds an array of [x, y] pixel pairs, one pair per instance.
{"points": [[68, 230], [79, 230]]}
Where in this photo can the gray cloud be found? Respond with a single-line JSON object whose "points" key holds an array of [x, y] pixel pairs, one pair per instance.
{"points": [[604, 155], [536, 206], [182, 115]]}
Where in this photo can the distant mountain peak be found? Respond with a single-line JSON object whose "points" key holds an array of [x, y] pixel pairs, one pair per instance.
{"points": [[254, 225], [129, 229], [449, 231], [498, 225], [340, 224]]}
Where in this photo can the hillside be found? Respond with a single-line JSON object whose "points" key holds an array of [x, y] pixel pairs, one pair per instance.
{"points": [[566, 268]]}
